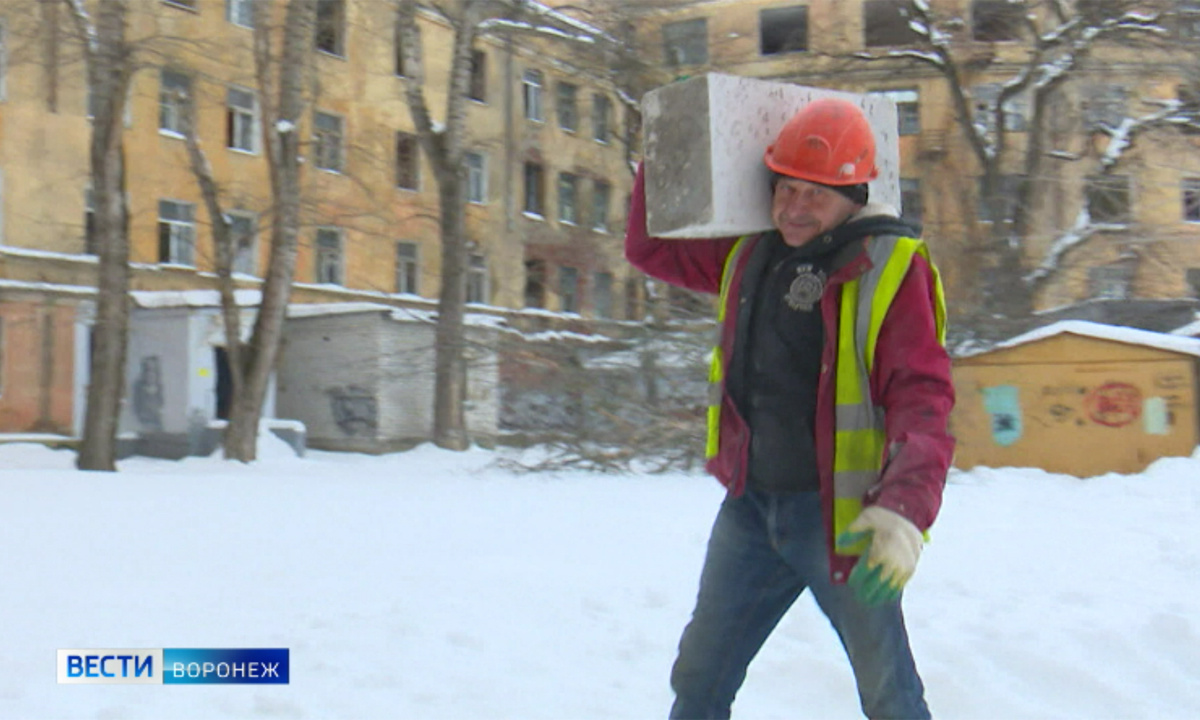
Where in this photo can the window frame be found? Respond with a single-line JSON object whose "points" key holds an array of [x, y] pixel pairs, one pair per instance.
{"points": [[908, 108], [321, 142], [568, 198], [1190, 194], [476, 279], [322, 253], [477, 177], [477, 87], [885, 24], [180, 240], [601, 190], [408, 267], [535, 201], [568, 289], [602, 294], [334, 24], [232, 8], [1113, 190], [245, 256], [532, 84], [566, 105], [171, 108], [601, 118], [248, 116]]}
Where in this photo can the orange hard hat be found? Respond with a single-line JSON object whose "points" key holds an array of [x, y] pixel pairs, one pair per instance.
{"points": [[829, 142]]}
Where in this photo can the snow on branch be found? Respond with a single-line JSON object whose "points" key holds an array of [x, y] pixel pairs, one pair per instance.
{"points": [[1122, 136], [86, 26], [520, 26], [1079, 233]]}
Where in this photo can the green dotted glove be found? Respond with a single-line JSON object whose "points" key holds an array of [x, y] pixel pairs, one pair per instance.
{"points": [[893, 547]]}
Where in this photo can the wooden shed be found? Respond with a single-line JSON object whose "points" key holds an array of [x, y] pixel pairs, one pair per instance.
{"points": [[1078, 397]]}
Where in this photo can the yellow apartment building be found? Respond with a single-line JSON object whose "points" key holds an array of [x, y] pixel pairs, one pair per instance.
{"points": [[547, 169]]}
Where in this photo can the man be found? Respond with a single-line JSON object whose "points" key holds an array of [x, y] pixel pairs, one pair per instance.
{"points": [[829, 399]]}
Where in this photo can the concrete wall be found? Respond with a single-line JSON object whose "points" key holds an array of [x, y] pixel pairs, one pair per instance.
{"points": [[1075, 405]]}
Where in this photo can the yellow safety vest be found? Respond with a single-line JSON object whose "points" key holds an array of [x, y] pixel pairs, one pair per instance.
{"points": [[859, 435]]}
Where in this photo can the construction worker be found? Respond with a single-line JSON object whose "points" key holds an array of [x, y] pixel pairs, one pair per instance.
{"points": [[829, 396]]}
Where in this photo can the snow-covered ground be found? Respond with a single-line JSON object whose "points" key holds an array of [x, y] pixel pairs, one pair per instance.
{"points": [[430, 584]]}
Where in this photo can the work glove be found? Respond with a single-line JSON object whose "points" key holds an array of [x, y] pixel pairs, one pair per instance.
{"points": [[893, 546]]}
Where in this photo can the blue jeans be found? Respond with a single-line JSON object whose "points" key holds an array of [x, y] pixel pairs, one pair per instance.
{"points": [[764, 551]]}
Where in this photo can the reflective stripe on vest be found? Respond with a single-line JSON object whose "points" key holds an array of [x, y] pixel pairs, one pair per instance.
{"points": [[859, 433], [716, 368]]}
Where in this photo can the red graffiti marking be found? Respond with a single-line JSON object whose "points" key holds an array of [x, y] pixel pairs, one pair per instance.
{"points": [[1114, 404]]}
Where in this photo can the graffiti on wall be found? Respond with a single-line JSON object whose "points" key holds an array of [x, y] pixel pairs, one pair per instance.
{"points": [[1112, 404], [355, 410], [148, 393]]}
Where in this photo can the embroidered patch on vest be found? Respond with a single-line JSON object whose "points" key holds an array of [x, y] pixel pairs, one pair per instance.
{"points": [[806, 288]]}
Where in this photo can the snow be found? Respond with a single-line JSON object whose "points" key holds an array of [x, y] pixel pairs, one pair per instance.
{"points": [[1116, 333], [192, 298], [430, 584]]}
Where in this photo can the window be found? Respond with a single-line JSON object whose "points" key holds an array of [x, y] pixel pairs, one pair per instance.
{"points": [[189, 4], [885, 23], [532, 85], [1188, 20], [1104, 106], [783, 30], [329, 256], [477, 285], [176, 232], [568, 290], [686, 42], [602, 295], [407, 268], [241, 121], [478, 88], [1007, 190], [327, 141], [534, 189], [401, 65], [908, 110], [1108, 198], [331, 27], [567, 184], [600, 110], [240, 12], [173, 96], [1191, 199], [243, 232], [408, 170], [910, 199], [476, 177], [997, 20], [1016, 108], [1112, 282], [535, 284], [601, 191], [90, 241], [568, 118]]}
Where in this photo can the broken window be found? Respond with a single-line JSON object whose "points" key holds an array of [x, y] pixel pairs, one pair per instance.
{"points": [[534, 189], [1016, 108], [478, 87], [1108, 198], [1191, 199], [885, 23], [535, 284], [408, 168], [329, 256], [997, 20], [331, 26], [783, 30]]}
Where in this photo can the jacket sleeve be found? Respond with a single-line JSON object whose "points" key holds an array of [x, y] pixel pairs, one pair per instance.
{"points": [[692, 264], [912, 382]]}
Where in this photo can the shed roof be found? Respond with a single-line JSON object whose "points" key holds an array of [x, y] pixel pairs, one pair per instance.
{"points": [[1100, 331]]}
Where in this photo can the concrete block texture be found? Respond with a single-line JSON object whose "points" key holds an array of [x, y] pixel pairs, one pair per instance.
{"points": [[704, 143]]}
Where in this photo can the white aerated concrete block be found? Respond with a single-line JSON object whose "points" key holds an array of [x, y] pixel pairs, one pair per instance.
{"points": [[704, 144]]}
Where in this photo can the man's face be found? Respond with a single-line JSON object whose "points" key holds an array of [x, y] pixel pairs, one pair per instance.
{"points": [[803, 210]]}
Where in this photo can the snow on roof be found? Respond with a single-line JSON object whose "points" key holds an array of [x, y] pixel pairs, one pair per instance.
{"points": [[1116, 333], [1192, 329], [307, 310], [191, 298], [47, 287]]}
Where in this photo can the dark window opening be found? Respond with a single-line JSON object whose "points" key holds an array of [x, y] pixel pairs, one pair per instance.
{"points": [[783, 30]]}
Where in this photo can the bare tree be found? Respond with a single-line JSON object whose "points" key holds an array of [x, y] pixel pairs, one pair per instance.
{"points": [[444, 143], [1059, 43], [110, 67]]}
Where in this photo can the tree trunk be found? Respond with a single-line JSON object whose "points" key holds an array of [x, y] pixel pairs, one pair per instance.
{"points": [[450, 371], [108, 75], [282, 118]]}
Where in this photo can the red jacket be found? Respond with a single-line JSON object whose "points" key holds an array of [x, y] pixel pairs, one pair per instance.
{"points": [[910, 378]]}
